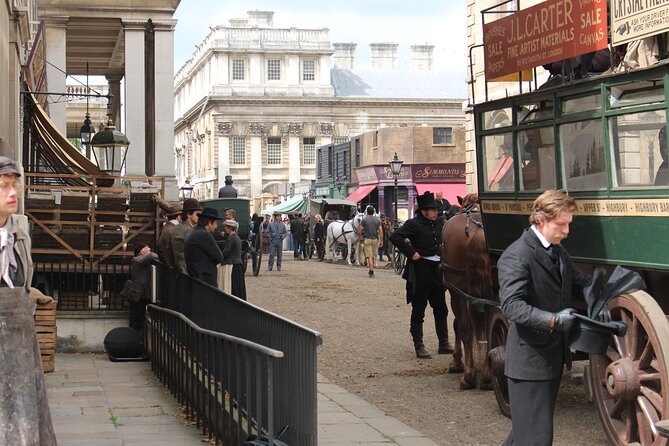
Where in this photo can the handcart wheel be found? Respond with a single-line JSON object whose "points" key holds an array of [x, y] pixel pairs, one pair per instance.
{"points": [[498, 328], [630, 382]]}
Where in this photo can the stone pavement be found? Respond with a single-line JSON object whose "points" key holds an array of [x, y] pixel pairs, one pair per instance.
{"points": [[96, 402]]}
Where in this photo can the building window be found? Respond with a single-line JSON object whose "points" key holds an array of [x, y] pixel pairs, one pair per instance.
{"points": [[238, 152], [238, 69], [308, 151], [442, 136], [330, 159], [319, 163], [339, 140], [357, 152], [274, 69], [273, 151], [375, 140], [308, 70]]}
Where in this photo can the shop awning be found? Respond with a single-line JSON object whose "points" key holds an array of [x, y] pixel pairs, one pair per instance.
{"points": [[296, 204], [361, 192], [451, 191]]}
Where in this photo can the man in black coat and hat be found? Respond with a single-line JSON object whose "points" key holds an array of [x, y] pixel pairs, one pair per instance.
{"points": [[201, 252], [424, 278], [227, 191]]}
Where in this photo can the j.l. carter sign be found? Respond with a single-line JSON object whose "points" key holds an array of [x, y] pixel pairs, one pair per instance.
{"points": [[550, 31]]}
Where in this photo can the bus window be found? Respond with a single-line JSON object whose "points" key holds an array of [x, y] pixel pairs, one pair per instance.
{"points": [[636, 141], [498, 162], [583, 155], [537, 157]]}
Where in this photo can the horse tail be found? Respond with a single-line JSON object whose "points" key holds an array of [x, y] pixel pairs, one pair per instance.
{"points": [[479, 267]]}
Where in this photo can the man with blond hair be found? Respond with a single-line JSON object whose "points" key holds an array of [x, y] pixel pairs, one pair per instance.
{"points": [[537, 280]]}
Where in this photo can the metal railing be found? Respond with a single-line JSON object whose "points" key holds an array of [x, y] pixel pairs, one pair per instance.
{"points": [[225, 383], [295, 390]]}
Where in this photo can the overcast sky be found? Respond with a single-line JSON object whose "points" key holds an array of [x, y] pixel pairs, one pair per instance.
{"points": [[436, 22]]}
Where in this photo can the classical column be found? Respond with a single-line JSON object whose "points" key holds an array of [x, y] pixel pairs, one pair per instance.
{"points": [[164, 99], [257, 131], [224, 130], [135, 106], [114, 82], [56, 48], [294, 135]]}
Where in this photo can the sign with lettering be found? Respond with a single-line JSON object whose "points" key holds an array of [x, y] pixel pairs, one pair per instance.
{"points": [[636, 19], [601, 208], [366, 175], [439, 173], [548, 32], [384, 173]]}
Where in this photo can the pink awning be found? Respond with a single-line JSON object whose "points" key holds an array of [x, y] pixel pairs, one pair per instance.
{"points": [[451, 191], [361, 192]]}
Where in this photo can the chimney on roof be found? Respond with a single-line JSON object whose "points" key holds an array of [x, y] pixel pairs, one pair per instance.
{"points": [[384, 56], [239, 23], [421, 57], [261, 18], [344, 56]]}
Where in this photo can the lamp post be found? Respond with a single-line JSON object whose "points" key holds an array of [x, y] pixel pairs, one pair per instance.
{"points": [[186, 190], [87, 130], [395, 168], [110, 148]]}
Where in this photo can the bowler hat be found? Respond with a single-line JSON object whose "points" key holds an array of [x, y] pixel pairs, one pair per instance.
{"points": [[426, 201], [174, 209], [191, 204], [210, 213], [8, 166]]}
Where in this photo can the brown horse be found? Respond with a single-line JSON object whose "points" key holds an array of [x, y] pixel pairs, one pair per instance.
{"points": [[466, 268]]}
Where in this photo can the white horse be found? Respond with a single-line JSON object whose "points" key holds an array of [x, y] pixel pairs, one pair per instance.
{"points": [[343, 233]]}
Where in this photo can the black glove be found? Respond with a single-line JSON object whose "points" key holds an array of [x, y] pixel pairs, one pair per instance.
{"points": [[604, 315], [564, 320]]}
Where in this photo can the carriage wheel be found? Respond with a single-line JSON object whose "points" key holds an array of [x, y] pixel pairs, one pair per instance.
{"points": [[631, 381], [398, 260], [257, 261], [498, 328]]}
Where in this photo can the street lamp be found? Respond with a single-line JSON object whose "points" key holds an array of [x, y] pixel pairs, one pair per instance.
{"points": [[87, 130], [186, 190], [110, 148], [395, 168]]}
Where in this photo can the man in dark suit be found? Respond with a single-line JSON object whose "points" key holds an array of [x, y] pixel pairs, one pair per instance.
{"points": [[201, 252], [227, 191], [537, 281]]}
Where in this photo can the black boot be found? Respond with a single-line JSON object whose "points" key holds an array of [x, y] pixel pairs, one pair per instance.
{"points": [[441, 327], [417, 334]]}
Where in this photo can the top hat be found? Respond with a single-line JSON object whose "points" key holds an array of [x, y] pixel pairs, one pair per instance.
{"points": [[210, 213], [426, 201], [591, 336], [228, 179], [174, 209], [191, 204]]}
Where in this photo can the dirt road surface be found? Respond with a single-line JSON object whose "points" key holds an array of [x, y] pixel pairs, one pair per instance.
{"points": [[367, 349]]}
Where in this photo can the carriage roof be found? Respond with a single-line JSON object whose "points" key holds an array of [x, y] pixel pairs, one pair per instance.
{"points": [[598, 139]]}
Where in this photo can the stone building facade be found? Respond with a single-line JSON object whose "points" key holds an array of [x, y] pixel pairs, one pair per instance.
{"points": [[255, 102]]}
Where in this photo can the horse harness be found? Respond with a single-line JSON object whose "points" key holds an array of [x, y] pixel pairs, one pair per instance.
{"points": [[469, 211], [343, 233]]}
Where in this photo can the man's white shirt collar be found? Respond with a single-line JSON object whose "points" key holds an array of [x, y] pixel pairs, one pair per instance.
{"points": [[545, 243]]}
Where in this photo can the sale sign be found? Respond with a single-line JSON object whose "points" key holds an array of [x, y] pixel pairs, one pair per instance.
{"points": [[548, 32]]}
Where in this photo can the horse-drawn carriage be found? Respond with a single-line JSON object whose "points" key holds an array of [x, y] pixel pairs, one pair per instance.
{"points": [[603, 140], [251, 243], [333, 210]]}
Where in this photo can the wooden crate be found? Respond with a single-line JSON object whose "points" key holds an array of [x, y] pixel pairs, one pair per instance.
{"points": [[45, 325], [75, 201], [73, 300], [142, 202], [111, 202]]}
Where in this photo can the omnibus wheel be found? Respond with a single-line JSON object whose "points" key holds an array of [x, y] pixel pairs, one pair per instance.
{"points": [[630, 382], [398, 260], [498, 328], [257, 261]]}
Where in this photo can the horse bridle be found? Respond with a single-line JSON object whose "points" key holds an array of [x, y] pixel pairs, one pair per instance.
{"points": [[344, 232], [468, 211]]}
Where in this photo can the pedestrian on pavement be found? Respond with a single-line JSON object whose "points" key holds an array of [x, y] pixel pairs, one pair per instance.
{"points": [[265, 234], [164, 245], [277, 232], [189, 216], [424, 278], [24, 413], [297, 231], [306, 244], [201, 252], [383, 247], [443, 205], [537, 281], [319, 237], [232, 255], [140, 274], [370, 232]]}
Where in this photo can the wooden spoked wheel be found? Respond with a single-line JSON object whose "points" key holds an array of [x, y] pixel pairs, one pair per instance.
{"points": [[631, 383], [498, 328]]}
